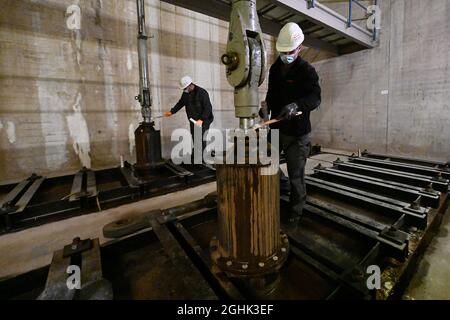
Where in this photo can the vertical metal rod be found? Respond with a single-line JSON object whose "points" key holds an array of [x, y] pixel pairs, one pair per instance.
{"points": [[144, 96], [350, 12], [311, 4], [375, 30]]}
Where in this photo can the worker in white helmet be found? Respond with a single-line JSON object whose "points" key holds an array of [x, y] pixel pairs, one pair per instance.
{"points": [[198, 106], [293, 88]]}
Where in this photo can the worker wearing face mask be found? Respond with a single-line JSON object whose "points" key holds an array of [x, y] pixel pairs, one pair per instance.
{"points": [[293, 88], [198, 106]]}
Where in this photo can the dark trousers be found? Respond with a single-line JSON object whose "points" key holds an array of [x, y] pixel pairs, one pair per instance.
{"points": [[297, 150], [205, 128]]}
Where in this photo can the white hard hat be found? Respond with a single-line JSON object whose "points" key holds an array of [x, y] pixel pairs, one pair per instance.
{"points": [[290, 38], [185, 82]]}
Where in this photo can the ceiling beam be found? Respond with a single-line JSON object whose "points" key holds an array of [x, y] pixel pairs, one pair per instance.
{"points": [[222, 11], [329, 19]]}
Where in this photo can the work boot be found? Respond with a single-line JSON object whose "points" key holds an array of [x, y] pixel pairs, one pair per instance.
{"points": [[285, 186], [294, 218]]}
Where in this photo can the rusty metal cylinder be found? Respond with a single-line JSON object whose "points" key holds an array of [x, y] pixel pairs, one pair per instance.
{"points": [[249, 242]]}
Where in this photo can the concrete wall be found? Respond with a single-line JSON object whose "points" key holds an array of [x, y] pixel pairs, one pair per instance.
{"points": [[67, 96], [395, 98]]}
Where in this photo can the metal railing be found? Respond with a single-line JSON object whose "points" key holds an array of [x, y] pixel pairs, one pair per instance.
{"points": [[371, 13]]}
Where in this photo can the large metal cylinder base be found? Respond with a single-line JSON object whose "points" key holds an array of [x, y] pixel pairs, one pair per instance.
{"points": [[250, 246], [257, 279], [148, 149], [239, 268]]}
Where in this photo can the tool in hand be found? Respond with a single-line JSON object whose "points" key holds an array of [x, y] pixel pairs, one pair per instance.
{"points": [[194, 122], [161, 116], [273, 121]]}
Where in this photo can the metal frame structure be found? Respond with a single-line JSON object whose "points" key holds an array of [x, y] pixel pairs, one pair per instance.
{"points": [[444, 166], [325, 29], [38, 200], [324, 16], [351, 221]]}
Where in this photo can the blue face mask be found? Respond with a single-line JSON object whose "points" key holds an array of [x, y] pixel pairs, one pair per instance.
{"points": [[288, 58]]}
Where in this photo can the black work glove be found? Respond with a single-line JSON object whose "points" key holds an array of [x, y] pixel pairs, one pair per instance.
{"points": [[289, 111], [261, 113], [264, 111]]}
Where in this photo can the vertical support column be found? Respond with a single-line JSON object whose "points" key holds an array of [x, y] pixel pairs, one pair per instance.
{"points": [[148, 139], [250, 246], [350, 13]]}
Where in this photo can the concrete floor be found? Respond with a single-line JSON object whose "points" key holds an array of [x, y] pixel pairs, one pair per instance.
{"points": [[33, 248], [432, 278]]}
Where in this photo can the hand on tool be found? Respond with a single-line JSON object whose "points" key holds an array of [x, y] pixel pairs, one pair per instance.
{"points": [[289, 112], [264, 112], [273, 121], [198, 123], [167, 114]]}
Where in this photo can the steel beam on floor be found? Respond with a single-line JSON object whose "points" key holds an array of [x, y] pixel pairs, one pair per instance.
{"points": [[8, 203], [229, 289], [308, 252], [397, 176], [23, 202], [18, 199], [428, 190], [349, 214], [428, 199], [411, 168], [394, 240], [444, 166], [187, 272], [417, 218]]}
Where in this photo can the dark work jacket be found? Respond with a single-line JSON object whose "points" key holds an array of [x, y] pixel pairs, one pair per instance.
{"points": [[300, 85], [198, 106]]}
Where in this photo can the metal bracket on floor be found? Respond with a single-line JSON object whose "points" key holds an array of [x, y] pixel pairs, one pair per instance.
{"points": [[440, 179], [84, 186], [179, 171], [128, 226], [18, 199], [187, 273], [80, 262], [395, 240]]}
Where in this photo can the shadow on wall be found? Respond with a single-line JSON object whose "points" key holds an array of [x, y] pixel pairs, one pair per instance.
{"points": [[114, 32]]}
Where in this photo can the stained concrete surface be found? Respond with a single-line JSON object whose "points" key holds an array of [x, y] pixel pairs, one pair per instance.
{"points": [[432, 278]]}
